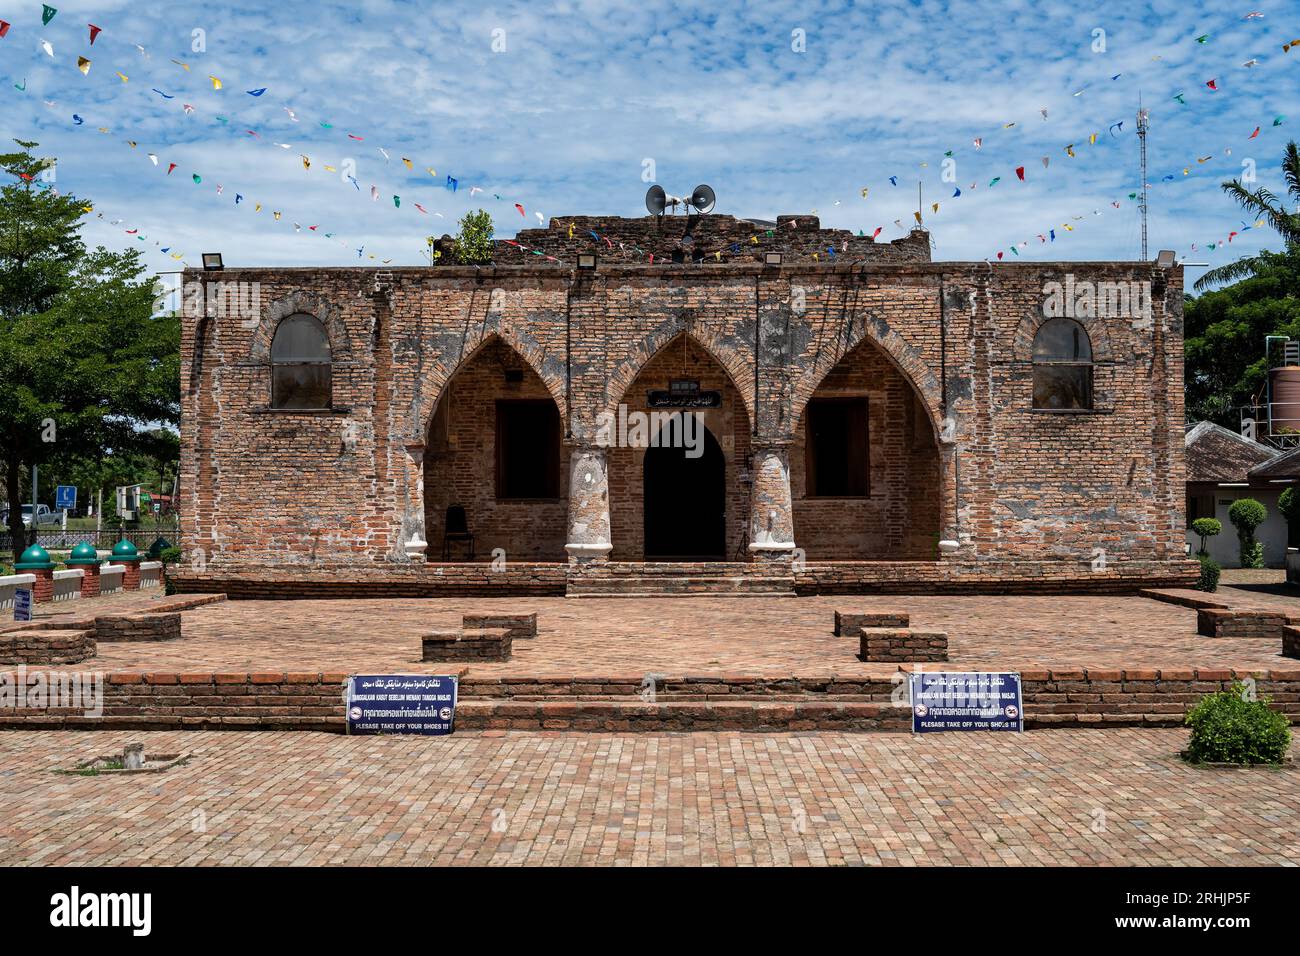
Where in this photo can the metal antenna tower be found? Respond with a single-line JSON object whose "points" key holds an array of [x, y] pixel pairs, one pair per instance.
{"points": [[1142, 118]]}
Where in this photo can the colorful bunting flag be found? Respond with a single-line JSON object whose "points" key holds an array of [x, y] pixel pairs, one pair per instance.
{"points": [[94, 32], [47, 13]]}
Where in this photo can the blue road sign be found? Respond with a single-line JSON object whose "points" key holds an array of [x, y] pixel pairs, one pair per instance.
{"points": [[65, 498]]}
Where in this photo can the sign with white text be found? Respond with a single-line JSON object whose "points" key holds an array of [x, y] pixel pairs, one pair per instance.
{"points": [[966, 701], [401, 704]]}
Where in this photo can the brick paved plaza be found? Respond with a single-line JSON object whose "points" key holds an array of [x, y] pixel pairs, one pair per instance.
{"points": [[697, 634], [1050, 797]]}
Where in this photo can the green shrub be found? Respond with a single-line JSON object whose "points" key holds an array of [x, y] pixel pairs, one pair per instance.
{"points": [[1206, 528], [1247, 514], [170, 555], [1229, 728], [1210, 570]]}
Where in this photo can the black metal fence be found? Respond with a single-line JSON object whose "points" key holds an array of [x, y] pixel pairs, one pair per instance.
{"points": [[103, 540]]}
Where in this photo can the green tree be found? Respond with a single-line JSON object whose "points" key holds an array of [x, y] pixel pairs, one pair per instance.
{"points": [[474, 244], [1206, 528], [1225, 329], [1247, 514], [1262, 204], [86, 369]]}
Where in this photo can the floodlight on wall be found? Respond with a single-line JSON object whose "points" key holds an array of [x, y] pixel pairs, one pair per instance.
{"points": [[1165, 258], [587, 261], [212, 262], [772, 258]]}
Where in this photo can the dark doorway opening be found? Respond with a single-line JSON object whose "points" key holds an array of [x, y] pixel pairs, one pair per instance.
{"points": [[686, 503]]}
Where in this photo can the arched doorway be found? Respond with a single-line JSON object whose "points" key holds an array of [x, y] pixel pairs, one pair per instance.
{"points": [[864, 465], [495, 453], [685, 503]]}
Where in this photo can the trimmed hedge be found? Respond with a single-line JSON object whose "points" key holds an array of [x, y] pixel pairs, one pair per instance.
{"points": [[1229, 728]]}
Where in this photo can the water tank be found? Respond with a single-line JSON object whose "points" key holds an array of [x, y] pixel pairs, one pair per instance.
{"points": [[1285, 413]]}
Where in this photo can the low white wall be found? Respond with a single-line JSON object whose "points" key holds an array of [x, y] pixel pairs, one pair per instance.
{"points": [[110, 578], [67, 584], [150, 574], [10, 583]]}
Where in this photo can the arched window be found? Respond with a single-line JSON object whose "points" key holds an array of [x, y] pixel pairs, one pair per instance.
{"points": [[1062, 366], [300, 364]]}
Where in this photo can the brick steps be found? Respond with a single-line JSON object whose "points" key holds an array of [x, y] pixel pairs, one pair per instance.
{"points": [[663, 585], [636, 715]]}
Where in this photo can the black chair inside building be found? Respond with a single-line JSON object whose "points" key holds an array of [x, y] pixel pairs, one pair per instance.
{"points": [[456, 529]]}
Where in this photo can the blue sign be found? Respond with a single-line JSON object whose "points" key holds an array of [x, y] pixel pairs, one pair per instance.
{"points": [[22, 605], [65, 498], [401, 704], [966, 701]]}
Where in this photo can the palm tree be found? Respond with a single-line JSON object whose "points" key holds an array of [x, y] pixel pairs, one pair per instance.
{"points": [[1264, 205]]}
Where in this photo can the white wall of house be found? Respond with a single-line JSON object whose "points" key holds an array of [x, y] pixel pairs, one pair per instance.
{"points": [[1273, 532]]}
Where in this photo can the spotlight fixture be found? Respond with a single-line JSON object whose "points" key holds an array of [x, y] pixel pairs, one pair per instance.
{"points": [[212, 262], [1165, 258], [587, 261], [771, 258]]}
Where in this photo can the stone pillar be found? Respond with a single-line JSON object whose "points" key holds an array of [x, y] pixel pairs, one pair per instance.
{"points": [[36, 561], [949, 535], [771, 513], [85, 556], [588, 540], [43, 589], [131, 576], [413, 543]]}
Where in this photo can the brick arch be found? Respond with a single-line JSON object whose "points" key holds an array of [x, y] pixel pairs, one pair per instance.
{"points": [[1032, 321], [433, 383], [737, 366], [259, 349], [874, 332]]}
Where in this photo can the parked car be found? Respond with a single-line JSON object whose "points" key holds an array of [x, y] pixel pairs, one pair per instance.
{"points": [[44, 516]]}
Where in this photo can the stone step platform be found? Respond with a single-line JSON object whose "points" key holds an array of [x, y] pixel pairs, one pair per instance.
{"points": [[675, 580], [721, 701], [752, 715]]}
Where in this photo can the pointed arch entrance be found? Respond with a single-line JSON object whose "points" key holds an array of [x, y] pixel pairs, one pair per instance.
{"points": [[685, 501], [865, 466], [657, 494], [495, 451]]}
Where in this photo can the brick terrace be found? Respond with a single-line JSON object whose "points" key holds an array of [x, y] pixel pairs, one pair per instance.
{"points": [[755, 636], [706, 798]]}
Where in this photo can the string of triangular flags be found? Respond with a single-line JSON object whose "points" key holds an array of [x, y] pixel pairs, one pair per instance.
{"points": [[450, 183], [1049, 235]]}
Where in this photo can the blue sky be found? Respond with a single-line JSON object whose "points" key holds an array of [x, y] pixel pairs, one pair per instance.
{"points": [[781, 107]]}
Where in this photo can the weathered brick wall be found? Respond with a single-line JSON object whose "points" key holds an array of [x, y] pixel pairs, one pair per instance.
{"points": [[717, 238], [344, 487]]}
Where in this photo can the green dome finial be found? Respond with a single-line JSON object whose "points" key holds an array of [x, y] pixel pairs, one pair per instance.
{"points": [[34, 558], [124, 550], [84, 553]]}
